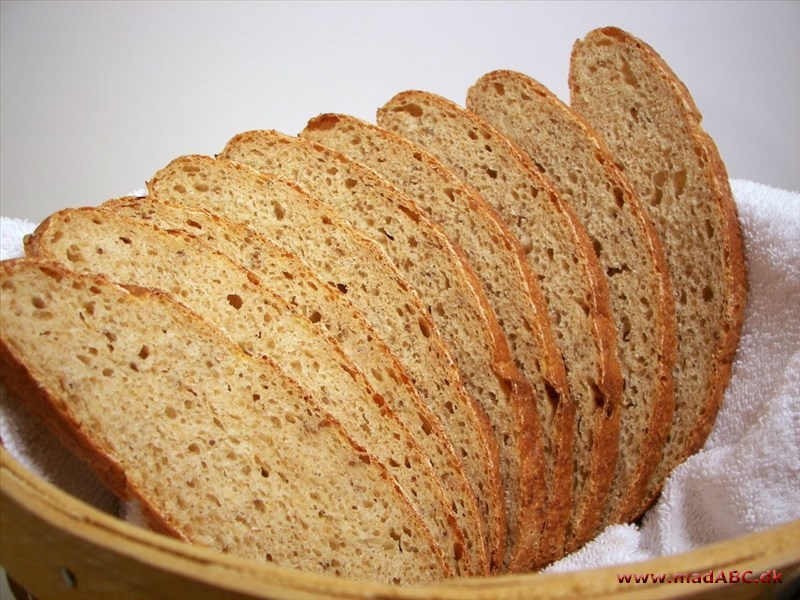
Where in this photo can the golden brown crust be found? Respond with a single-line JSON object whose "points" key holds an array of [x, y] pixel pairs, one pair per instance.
{"points": [[735, 274], [486, 98], [204, 274], [390, 155], [299, 154], [54, 410], [605, 420]]}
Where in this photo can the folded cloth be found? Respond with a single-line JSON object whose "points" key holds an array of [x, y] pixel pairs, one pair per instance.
{"points": [[747, 476]]}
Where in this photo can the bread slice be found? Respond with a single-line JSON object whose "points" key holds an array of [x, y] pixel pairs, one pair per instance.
{"points": [[447, 285], [568, 151], [225, 294], [359, 269], [649, 120], [511, 288], [284, 274], [561, 255], [235, 455]]}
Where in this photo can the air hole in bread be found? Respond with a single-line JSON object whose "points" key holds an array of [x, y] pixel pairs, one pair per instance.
{"points": [[201, 187], [350, 183], [235, 300], [708, 293], [412, 109], [278, 210], [709, 229], [491, 173], [38, 302], [597, 394], [658, 188], [74, 254], [472, 134], [625, 326], [170, 412], [553, 397], [627, 73], [341, 287], [679, 182], [425, 328], [181, 189], [619, 197], [426, 425]]}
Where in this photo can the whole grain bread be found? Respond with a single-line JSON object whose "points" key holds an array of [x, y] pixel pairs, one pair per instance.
{"points": [[568, 151], [511, 288], [288, 277], [560, 253], [359, 269], [447, 285], [235, 454], [226, 295], [653, 128]]}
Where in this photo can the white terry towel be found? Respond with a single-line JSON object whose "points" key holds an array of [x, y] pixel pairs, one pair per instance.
{"points": [[746, 478]]}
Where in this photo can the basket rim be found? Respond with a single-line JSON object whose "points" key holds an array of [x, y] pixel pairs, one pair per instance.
{"points": [[22, 490]]}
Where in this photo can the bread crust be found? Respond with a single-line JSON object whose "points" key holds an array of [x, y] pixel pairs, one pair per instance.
{"points": [[480, 99], [405, 164], [305, 163], [605, 420], [55, 413], [733, 251], [184, 258]]}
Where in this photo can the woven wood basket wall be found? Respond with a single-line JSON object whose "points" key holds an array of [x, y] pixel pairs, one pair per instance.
{"points": [[55, 546]]}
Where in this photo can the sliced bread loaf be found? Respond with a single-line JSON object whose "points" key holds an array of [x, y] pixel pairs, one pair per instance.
{"points": [[511, 288], [568, 151], [288, 277], [560, 253], [134, 252], [359, 269], [235, 455], [649, 120], [446, 284]]}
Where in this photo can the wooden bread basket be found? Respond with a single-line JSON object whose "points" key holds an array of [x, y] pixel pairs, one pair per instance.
{"points": [[56, 546]]}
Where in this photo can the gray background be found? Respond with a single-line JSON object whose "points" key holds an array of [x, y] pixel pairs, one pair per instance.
{"points": [[98, 96]]}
